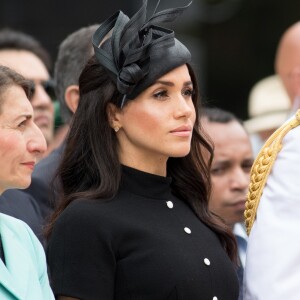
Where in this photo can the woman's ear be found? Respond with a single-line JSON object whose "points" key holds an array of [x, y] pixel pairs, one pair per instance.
{"points": [[114, 116], [72, 97]]}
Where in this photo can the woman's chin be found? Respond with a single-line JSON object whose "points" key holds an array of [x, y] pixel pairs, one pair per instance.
{"points": [[24, 184], [184, 151]]}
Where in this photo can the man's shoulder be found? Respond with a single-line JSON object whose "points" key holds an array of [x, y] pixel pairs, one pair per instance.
{"points": [[47, 167]]}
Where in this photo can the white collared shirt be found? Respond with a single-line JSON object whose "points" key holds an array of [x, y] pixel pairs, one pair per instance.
{"points": [[239, 231]]}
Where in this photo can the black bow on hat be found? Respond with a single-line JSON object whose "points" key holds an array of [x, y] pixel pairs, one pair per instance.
{"points": [[139, 51]]}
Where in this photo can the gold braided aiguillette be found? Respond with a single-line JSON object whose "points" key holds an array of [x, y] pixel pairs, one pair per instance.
{"points": [[261, 168]]}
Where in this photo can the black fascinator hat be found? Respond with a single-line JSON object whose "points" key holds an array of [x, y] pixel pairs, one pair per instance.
{"points": [[139, 51]]}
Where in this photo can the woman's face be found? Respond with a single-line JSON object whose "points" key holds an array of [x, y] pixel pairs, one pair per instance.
{"points": [[21, 141], [158, 124]]}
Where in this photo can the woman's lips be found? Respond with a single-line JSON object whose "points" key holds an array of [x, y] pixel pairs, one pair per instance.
{"points": [[184, 131], [29, 164]]}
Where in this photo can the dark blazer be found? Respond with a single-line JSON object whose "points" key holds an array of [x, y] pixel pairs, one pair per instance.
{"points": [[42, 177], [33, 205]]}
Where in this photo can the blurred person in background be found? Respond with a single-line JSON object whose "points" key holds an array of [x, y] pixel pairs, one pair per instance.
{"points": [[273, 208], [74, 51], [33, 205], [230, 174], [273, 218], [287, 63], [269, 107], [24, 54], [23, 271]]}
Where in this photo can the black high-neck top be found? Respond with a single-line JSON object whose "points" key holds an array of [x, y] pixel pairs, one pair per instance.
{"points": [[145, 184], [144, 244]]}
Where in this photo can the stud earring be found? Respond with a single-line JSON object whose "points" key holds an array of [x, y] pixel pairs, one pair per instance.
{"points": [[116, 129]]}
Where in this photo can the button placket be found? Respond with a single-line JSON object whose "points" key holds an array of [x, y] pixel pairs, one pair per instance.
{"points": [[207, 261], [170, 204], [187, 230]]}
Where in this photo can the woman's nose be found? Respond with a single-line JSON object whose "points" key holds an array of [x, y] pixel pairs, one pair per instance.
{"points": [[184, 108], [37, 142]]}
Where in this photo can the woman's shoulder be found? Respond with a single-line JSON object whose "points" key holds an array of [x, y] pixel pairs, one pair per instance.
{"points": [[19, 229], [90, 206], [21, 233], [83, 221], [14, 224], [88, 212]]}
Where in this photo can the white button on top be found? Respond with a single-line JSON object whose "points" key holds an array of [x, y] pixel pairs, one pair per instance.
{"points": [[207, 262], [170, 204], [215, 298], [187, 230]]}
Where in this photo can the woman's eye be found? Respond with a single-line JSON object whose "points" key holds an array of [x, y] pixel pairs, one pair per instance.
{"points": [[161, 94], [188, 92], [22, 124]]}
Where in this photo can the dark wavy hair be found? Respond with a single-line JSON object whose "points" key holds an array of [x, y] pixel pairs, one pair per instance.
{"points": [[90, 168]]}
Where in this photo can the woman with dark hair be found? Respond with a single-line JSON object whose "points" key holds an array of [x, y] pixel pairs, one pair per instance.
{"points": [[23, 270], [133, 221]]}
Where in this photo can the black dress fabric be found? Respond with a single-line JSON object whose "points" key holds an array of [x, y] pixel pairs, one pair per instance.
{"points": [[145, 244]]}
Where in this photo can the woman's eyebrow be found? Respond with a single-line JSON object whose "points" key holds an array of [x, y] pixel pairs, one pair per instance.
{"points": [[170, 83], [27, 116], [188, 83]]}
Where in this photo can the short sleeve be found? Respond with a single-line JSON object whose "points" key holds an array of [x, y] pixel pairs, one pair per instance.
{"points": [[80, 254]]}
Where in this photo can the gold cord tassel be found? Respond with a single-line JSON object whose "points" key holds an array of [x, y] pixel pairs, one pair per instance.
{"points": [[261, 169]]}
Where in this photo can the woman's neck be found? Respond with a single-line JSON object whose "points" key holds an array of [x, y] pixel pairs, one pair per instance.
{"points": [[156, 166]]}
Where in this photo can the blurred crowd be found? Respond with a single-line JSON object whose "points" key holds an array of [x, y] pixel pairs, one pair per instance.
{"points": [[82, 129]]}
